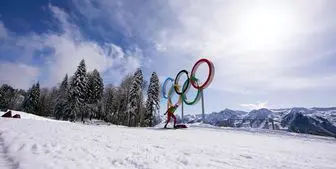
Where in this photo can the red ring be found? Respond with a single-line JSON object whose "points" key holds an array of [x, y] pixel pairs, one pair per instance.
{"points": [[210, 75]]}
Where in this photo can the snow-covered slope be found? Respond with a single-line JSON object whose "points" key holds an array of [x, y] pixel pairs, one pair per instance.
{"points": [[40, 144], [25, 115]]}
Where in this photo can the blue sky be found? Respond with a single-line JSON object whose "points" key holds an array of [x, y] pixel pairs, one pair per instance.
{"points": [[266, 53]]}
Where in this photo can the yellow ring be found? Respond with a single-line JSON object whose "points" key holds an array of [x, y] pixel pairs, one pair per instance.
{"points": [[169, 103]]}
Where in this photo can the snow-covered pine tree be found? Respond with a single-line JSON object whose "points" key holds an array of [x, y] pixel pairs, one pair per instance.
{"points": [[7, 96], [53, 99], [69, 105], [132, 105], [64, 86], [27, 102], [95, 88], [156, 94], [109, 105], [36, 98], [18, 99], [134, 99], [122, 99], [142, 109], [50, 101], [61, 101], [89, 95], [153, 100], [89, 88], [98, 87], [77, 92], [148, 119], [116, 105], [31, 100], [44, 104], [142, 105]]}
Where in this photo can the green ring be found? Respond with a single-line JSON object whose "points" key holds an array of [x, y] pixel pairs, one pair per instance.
{"points": [[197, 98]]}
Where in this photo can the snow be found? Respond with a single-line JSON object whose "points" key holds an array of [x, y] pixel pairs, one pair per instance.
{"points": [[41, 143], [25, 115]]}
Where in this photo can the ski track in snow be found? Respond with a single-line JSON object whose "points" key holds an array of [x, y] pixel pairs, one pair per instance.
{"points": [[38, 144], [6, 162]]}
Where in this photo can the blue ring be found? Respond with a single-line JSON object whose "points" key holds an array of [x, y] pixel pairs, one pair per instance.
{"points": [[164, 87]]}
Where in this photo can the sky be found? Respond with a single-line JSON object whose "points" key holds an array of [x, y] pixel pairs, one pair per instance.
{"points": [[266, 53]]}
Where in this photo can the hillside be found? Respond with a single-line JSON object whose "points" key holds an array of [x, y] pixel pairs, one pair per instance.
{"points": [[46, 144]]}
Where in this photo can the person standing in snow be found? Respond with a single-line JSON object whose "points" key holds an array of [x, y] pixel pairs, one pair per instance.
{"points": [[170, 112]]}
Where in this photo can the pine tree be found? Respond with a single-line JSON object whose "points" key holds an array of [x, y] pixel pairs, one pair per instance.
{"points": [[122, 98], [64, 85], [18, 99], [115, 105], [36, 98], [44, 105], [31, 100], [90, 88], [95, 89], [27, 102], [98, 87], [49, 101], [110, 108], [53, 99], [7, 96], [61, 101], [153, 100], [77, 93], [134, 101]]}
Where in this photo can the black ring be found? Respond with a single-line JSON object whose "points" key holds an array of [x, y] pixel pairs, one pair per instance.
{"points": [[177, 78]]}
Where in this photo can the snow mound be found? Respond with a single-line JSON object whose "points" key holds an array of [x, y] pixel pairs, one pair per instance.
{"points": [[25, 115], [202, 125]]}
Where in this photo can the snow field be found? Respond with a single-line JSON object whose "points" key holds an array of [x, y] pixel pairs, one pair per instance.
{"points": [[43, 144]]}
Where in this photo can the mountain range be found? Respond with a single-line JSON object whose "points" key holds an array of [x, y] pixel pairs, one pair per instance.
{"points": [[317, 121]]}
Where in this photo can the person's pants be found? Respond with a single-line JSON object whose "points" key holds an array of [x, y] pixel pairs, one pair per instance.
{"points": [[171, 115]]}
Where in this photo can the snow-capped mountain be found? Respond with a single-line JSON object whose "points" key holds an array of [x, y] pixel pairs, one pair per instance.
{"points": [[215, 118], [319, 121], [298, 122]]}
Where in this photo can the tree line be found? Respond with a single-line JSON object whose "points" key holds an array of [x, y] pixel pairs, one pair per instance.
{"points": [[83, 96]]}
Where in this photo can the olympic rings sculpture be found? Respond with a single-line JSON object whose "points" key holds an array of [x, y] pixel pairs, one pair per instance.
{"points": [[186, 85]]}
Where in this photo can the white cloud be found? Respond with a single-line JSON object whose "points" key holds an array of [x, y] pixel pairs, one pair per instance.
{"points": [[69, 47], [249, 55], [257, 106], [18, 75], [3, 32], [239, 64], [256, 46], [260, 48]]}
